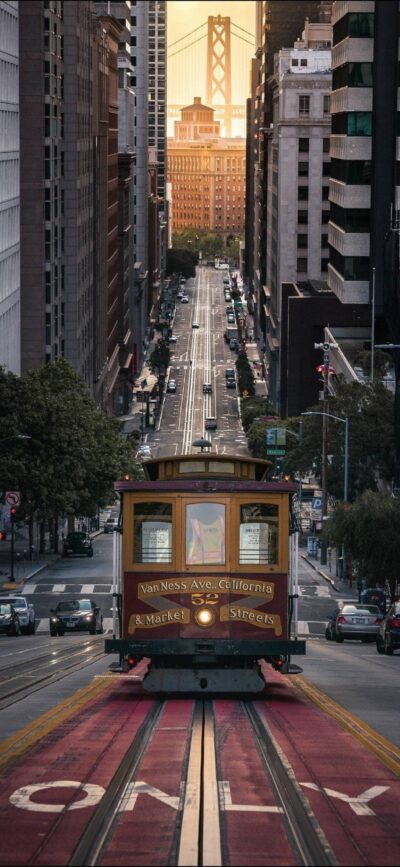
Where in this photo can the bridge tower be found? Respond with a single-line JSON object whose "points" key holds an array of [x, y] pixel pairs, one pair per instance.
{"points": [[218, 84]]}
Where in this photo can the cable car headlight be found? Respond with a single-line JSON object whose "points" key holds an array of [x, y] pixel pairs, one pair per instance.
{"points": [[205, 617]]}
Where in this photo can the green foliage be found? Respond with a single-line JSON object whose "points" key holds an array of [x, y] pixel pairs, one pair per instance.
{"points": [[74, 452], [369, 409], [210, 243], [160, 356], [181, 262], [369, 529], [382, 361], [245, 375], [252, 408]]}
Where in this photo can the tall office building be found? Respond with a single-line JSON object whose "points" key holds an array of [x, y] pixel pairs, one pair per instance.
{"points": [[9, 189], [140, 189], [64, 76], [364, 148], [157, 105]]}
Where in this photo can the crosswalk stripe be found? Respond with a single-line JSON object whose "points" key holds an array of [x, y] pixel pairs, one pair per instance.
{"points": [[78, 590], [303, 627]]}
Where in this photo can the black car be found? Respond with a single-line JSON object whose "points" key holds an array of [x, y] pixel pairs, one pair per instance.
{"points": [[231, 382], [76, 615], [78, 543], [207, 388], [388, 637], [9, 620]]}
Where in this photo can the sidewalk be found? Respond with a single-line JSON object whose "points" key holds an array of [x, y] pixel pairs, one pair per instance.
{"points": [[328, 572], [133, 420], [26, 569]]}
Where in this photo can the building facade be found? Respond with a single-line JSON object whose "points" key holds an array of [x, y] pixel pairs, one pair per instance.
{"points": [[9, 189], [207, 174], [298, 183]]}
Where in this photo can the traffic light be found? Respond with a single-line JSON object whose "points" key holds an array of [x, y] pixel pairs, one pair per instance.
{"points": [[13, 512], [2, 536]]}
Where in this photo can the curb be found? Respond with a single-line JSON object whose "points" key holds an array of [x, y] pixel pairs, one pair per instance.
{"points": [[18, 585], [320, 572]]}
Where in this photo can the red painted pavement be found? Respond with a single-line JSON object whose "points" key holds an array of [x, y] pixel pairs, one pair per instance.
{"points": [[249, 837], [322, 753], [88, 748], [146, 834]]}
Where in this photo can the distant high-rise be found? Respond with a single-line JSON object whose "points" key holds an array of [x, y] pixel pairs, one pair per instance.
{"points": [[157, 107], [207, 174], [9, 190]]}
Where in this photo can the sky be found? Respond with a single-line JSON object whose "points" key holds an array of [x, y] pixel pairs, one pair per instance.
{"points": [[186, 75]]}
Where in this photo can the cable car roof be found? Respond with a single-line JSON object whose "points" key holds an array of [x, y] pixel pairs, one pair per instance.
{"points": [[206, 465]]}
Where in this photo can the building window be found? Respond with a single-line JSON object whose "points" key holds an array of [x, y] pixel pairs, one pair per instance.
{"points": [[302, 217], [326, 169], [302, 241], [351, 171], [358, 24], [304, 145], [352, 123], [351, 219], [350, 267], [326, 142], [324, 240], [325, 216], [304, 105], [327, 104], [295, 61], [325, 194], [324, 264], [302, 194], [302, 266], [303, 61], [303, 169]]}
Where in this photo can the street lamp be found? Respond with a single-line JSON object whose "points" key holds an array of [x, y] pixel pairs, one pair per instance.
{"points": [[16, 437], [346, 448]]}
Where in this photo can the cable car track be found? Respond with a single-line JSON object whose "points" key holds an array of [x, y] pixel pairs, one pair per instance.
{"points": [[41, 673], [200, 835]]}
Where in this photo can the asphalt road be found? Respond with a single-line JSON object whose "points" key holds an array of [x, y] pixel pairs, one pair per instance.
{"points": [[184, 413]]}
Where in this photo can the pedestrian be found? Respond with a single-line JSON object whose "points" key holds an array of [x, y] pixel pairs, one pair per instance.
{"points": [[329, 552]]}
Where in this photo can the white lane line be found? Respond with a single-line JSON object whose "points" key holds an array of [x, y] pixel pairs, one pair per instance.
{"points": [[189, 840], [87, 589]]}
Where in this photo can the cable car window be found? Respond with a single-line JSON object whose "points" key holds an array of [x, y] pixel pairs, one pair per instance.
{"points": [[192, 467], [221, 467], [152, 533], [259, 533], [205, 534]]}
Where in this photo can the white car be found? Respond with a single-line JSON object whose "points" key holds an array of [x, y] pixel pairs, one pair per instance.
{"points": [[25, 611], [144, 451], [110, 525], [185, 299]]}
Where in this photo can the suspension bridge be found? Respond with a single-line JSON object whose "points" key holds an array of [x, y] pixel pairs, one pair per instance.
{"points": [[200, 64]]}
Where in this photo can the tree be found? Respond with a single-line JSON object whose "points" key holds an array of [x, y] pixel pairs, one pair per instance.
{"points": [[245, 375], [369, 529], [253, 408], [369, 409], [181, 262], [74, 452]]}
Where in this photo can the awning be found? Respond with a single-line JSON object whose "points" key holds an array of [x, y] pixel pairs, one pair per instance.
{"points": [[127, 363], [273, 343]]}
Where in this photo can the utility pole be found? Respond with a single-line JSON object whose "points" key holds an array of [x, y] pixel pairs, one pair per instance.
{"points": [[326, 347]]}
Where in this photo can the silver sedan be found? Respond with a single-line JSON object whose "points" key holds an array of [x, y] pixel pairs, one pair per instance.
{"points": [[358, 621]]}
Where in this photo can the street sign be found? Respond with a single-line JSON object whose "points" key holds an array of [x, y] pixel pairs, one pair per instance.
{"points": [[280, 452], [13, 498]]}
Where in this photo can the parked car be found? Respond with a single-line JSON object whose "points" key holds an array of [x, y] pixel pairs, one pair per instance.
{"points": [[180, 294], [25, 611], [78, 543], [230, 318], [354, 620], [185, 299], [171, 386], [388, 637], [234, 344], [231, 382], [144, 451], [226, 280], [230, 373], [376, 596], [76, 615], [210, 423], [195, 325], [172, 339], [230, 309], [228, 296], [9, 620], [182, 281], [110, 525], [207, 388]]}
